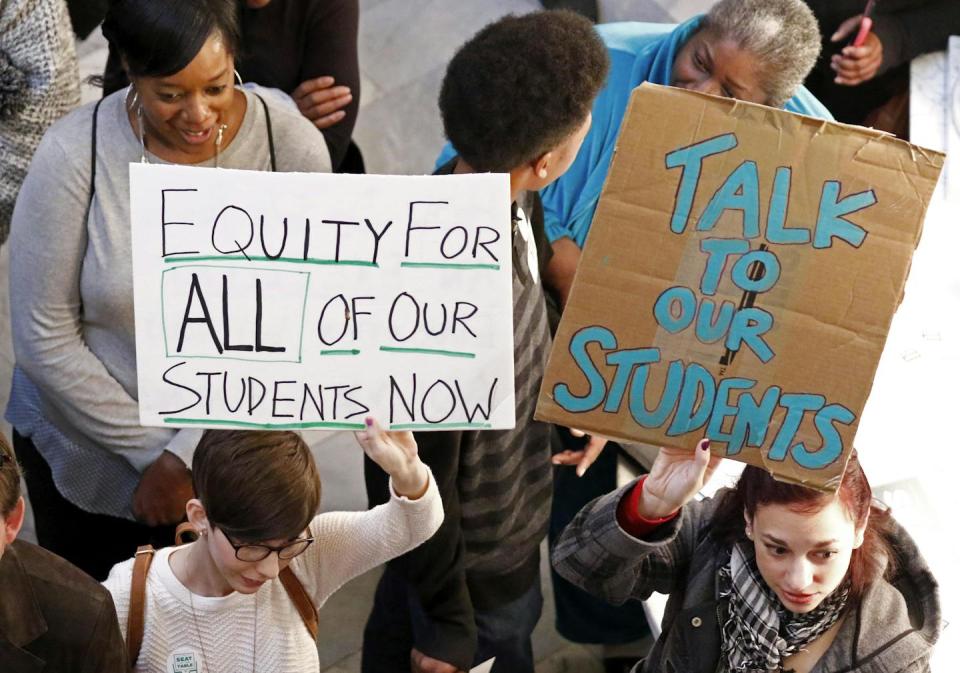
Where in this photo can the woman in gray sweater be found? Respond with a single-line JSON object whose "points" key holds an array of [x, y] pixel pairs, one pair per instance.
{"points": [[92, 469]]}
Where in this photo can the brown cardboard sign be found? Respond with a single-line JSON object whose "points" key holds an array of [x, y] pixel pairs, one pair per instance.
{"points": [[739, 280]]}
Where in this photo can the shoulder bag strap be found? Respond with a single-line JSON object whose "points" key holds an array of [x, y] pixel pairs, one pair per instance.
{"points": [[138, 596], [301, 600], [93, 156], [273, 152]]}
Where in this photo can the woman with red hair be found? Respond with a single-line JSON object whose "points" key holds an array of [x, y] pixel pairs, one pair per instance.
{"points": [[767, 576]]}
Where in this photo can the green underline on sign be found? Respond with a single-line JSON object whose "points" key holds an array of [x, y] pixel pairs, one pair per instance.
{"points": [[428, 351], [448, 265], [285, 260], [330, 425], [427, 426], [346, 351]]}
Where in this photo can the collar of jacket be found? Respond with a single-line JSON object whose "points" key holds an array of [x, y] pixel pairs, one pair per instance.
{"points": [[21, 620]]}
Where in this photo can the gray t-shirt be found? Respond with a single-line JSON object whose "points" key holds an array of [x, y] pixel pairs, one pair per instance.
{"points": [[71, 291]]}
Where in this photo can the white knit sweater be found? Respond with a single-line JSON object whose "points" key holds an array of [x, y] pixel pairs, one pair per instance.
{"points": [[235, 626]]}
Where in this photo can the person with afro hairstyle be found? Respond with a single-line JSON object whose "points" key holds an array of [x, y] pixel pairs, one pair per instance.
{"points": [[516, 99]]}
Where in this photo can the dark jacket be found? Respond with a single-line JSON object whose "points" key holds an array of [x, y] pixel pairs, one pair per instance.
{"points": [[906, 28], [892, 629], [55, 617]]}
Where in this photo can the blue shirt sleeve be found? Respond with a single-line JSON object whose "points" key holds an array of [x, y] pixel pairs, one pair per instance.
{"points": [[446, 154]]}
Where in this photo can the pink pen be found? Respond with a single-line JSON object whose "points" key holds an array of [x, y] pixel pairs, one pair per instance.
{"points": [[866, 23]]}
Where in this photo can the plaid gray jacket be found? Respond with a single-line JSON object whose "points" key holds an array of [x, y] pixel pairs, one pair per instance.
{"points": [[892, 630]]}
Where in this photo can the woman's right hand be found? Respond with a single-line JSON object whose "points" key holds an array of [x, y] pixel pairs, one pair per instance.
{"points": [[396, 453], [676, 476]]}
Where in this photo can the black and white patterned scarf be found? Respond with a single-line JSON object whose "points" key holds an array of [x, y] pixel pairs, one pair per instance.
{"points": [[758, 632]]}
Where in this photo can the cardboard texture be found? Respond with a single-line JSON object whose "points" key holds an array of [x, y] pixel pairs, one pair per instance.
{"points": [[740, 277]]}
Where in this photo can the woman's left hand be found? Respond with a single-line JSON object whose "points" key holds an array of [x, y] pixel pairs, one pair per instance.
{"points": [[396, 453]]}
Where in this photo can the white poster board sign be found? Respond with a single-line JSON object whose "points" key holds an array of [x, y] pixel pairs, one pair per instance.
{"points": [[294, 300]]}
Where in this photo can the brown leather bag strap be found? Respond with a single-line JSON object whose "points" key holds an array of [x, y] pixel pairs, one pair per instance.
{"points": [[301, 600], [138, 599]]}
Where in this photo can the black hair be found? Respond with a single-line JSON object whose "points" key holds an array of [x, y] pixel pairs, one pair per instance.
{"points": [[520, 87], [156, 38]]}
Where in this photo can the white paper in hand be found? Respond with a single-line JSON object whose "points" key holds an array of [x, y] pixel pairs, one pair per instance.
{"points": [[485, 667]]}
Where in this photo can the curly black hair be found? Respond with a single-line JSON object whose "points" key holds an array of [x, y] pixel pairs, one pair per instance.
{"points": [[520, 87]]}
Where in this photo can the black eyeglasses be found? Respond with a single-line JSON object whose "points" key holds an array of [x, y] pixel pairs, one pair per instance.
{"points": [[253, 553]]}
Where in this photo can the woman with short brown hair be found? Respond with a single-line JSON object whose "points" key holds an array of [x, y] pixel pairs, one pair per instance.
{"points": [[220, 603]]}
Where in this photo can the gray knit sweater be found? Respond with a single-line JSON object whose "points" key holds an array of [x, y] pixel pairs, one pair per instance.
{"points": [[39, 82]]}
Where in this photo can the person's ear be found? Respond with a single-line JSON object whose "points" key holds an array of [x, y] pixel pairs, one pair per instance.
{"points": [[748, 525], [13, 522], [542, 165], [197, 516]]}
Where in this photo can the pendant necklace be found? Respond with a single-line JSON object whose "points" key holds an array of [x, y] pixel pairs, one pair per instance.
{"points": [[203, 653]]}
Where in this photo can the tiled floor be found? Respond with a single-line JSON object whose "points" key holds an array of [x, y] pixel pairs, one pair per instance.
{"points": [[404, 46]]}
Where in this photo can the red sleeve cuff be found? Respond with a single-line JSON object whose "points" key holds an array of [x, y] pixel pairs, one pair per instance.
{"points": [[628, 514]]}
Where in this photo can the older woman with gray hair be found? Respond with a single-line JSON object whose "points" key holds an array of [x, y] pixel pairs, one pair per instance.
{"points": [[753, 50]]}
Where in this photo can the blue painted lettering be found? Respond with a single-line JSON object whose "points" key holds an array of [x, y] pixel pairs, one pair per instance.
{"points": [[671, 390], [832, 446], [796, 404], [718, 250], [625, 361], [696, 401], [684, 300], [597, 385], [690, 159], [740, 191], [752, 421], [831, 223], [749, 326], [777, 231], [771, 271], [722, 409]]}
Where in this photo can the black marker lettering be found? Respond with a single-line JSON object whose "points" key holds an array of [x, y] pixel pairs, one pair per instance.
{"points": [[164, 224], [195, 291], [190, 390], [376, 237]]}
